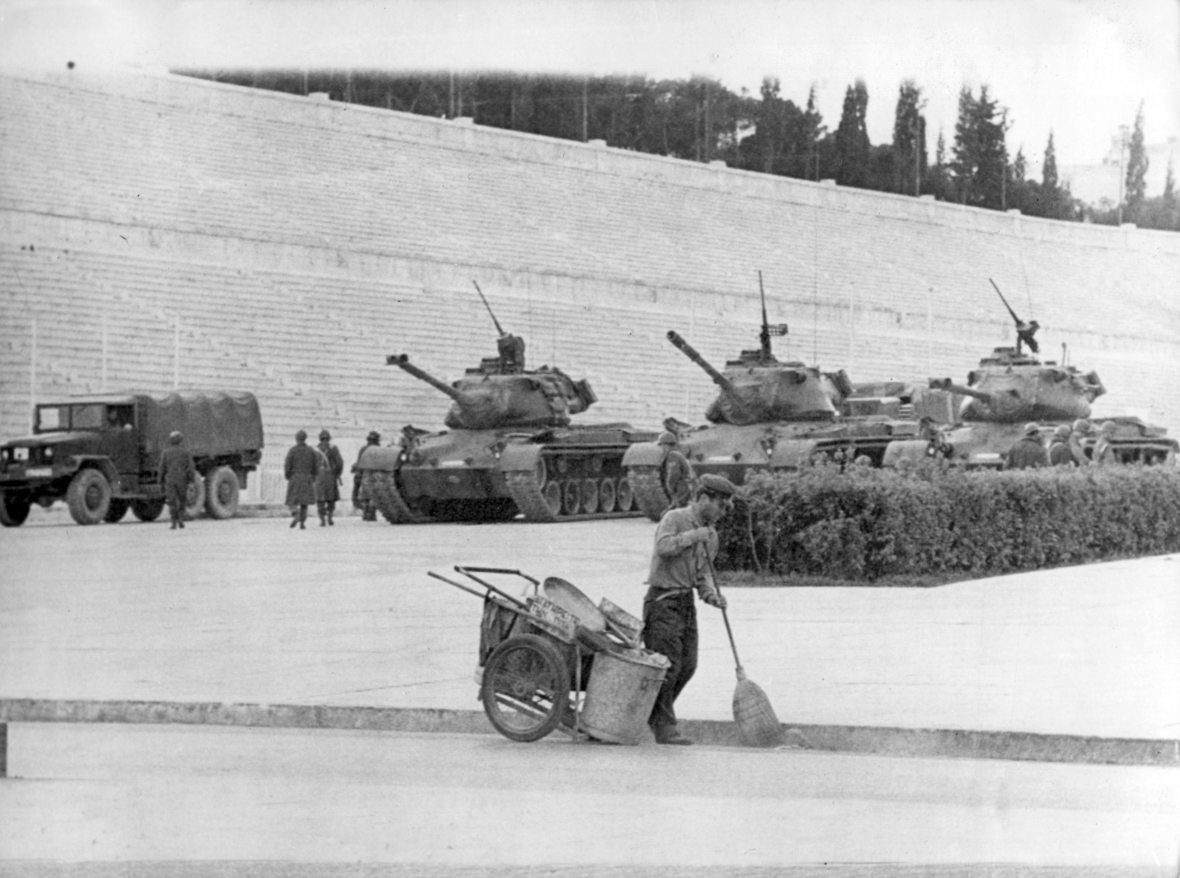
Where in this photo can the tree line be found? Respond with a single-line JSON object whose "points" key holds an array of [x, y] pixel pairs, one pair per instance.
{"points": [[700, 120]]}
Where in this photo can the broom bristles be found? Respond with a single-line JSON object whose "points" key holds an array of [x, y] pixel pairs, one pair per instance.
{"points": [[754, 716]]}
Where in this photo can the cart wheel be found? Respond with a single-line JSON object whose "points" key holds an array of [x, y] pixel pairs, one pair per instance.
{"points": [[525, 688]]}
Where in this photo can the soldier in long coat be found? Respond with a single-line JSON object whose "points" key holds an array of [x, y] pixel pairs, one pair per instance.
{"points": [[176, 471], [327, 483], [301, 468], [360, 497]]}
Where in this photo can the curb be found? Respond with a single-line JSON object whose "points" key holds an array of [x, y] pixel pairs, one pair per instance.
{"points": [[876, 740]]}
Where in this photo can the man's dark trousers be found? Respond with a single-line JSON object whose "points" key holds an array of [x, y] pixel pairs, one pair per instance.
{"points": [[670, 628], [177, 499]]}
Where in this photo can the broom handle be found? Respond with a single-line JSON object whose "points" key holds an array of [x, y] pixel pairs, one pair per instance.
{"points": [[724, 614]]}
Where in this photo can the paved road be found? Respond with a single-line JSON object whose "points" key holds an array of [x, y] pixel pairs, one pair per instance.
{"points": [[433, 803], [249, 611]]}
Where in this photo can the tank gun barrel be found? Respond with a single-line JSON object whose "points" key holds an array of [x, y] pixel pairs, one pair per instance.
{"points": [[402, 361], [948, 385], [689, 351]]}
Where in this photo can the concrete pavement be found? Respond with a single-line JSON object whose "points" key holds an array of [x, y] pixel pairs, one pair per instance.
{"points": [[345, 619], [160, 796], [249, 611]]}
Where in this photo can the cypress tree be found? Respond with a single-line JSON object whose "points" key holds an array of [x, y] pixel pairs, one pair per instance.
{"points": [[1136, 170]]}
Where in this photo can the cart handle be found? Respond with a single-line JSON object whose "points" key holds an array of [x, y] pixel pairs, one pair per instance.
{"points": [[491, 587], [507, 572], [466, 572], [469, 590]]}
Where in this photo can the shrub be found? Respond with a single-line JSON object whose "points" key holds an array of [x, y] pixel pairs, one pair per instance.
{"points": [[864, 523]]}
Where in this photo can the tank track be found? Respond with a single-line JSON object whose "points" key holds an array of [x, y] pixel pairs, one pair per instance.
{"points": [[530, 500], [382, 488], [648, 489], [529, 495]]}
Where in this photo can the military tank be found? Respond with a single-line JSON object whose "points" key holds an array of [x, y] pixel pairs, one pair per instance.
{"points": [[769, 414], [1012, 388], [511, 448]]}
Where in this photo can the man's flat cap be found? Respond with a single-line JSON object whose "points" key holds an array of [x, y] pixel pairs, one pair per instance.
{"points": [[719, 485]]}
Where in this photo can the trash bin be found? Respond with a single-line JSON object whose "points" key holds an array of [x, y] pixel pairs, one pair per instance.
{"points": [[619, 697]]}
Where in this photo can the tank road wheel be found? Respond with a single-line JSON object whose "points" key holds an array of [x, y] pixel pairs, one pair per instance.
{"points": [[606, 495], [571, 496], [589, 496], [382, 487], [194, 498], [525, 688], [89, 496], [147, 510], [552, 495], [116, 511], [648, 490], [624, 497], [14, 508], [222, 491]]}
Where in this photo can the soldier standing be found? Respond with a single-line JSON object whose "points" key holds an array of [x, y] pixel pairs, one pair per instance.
{"points": [[327, 484], [360, 497], [1104, 453], [176, 471], [1059, 453], [1028, 452], [678, 476], [1077, 437], [301, 468]]}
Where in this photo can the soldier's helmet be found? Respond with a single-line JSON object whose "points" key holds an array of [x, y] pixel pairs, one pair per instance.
{"points": [[1062, 431], [374, 436], [1081, 425], [324, 434], [301, 436], [667, 438], [175, 437], [1032, 429]]}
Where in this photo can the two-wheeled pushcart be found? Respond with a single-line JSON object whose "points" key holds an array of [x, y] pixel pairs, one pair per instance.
{"points": [[553, 659]]}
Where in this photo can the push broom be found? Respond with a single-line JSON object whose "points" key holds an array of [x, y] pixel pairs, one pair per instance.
{"points": [[752, 712]]}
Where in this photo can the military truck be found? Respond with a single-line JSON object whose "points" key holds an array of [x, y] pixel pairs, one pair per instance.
{"points": [[101, 454]]}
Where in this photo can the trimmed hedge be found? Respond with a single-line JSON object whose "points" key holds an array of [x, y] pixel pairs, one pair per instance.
{"points": [[864, 523]]}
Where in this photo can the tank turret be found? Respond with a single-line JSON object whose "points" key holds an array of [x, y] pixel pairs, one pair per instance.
{"points": [[758, 388], [487, 400]]}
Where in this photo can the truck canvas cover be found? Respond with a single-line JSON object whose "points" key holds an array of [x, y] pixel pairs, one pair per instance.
{"points": [[212, 423]]}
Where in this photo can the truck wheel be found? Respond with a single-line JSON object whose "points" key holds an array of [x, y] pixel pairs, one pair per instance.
{"points": [[147, 510], [14, 508], [89, 497], [221, 489], [194, 498], [117, 510]]}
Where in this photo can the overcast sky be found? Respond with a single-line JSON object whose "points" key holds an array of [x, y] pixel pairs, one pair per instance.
{"points": [[1077, 67]]}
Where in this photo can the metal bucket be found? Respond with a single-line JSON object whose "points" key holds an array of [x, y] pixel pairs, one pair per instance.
{"points": [[619, 697]]}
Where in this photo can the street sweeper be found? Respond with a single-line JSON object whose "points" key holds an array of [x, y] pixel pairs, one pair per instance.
{"points": [[685, 545]]}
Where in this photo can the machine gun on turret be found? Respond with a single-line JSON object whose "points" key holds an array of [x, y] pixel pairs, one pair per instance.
{"points": [[1024, 331], [767, 329], [511, 347]]}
